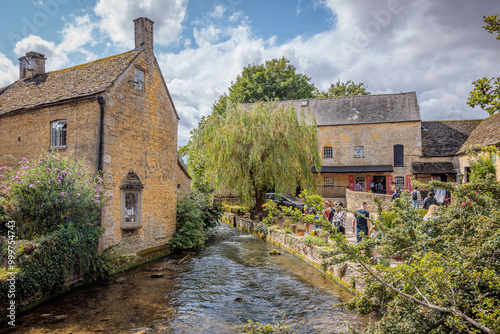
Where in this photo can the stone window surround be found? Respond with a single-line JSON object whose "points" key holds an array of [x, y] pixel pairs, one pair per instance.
{"points": [[139, 78], [56, 136], [359, 151], [327, 152], [138, 213]]}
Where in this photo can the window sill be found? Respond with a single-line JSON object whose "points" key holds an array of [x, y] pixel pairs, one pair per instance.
{"points": [[131, 226], [58, 147]]}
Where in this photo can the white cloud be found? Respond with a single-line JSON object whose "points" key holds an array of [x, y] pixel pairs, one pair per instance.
{"points": [[391, 46], [117, 15], [8, 71], [218, 12]]}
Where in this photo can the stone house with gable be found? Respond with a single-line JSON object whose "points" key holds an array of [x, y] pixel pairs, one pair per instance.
{"points": [[115, 113], [369, 138], [487, 133], [441, 141]]}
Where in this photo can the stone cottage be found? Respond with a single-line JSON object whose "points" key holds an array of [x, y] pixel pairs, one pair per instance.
{"points": [[369, 138], [115, 113], [487, 133]]}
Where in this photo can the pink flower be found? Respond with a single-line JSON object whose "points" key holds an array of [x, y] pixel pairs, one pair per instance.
{"points": [[37, 182], [32, 185], [16, 178], [2, 167], [78, 194], [49, 169], [90, 224], [111, 196], [63, 194], [97, 201], [64, 172], [41, 206]]}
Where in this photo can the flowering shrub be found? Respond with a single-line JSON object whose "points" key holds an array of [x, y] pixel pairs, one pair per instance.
{"points": [[48, 192]]}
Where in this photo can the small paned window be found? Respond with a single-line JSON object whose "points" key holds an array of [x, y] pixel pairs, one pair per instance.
{"points": [[494, 158], [58, 134], [131, 208], [399, 182], [139, 79], [328, 181], [359, 152], [327, 152], [360, 179], [399, 154]]}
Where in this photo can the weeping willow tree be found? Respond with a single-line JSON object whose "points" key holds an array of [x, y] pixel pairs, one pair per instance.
{"points": [[252, 149]]}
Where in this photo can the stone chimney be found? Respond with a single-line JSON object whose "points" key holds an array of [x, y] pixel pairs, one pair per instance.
{"points": [[143, 32], [31, 64]]}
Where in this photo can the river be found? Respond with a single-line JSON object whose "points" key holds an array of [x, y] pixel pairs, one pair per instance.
{"points": [[227, 282]]}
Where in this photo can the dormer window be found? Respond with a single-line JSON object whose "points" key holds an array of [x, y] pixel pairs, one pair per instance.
{"points": [[58, 134], [139, 79]]}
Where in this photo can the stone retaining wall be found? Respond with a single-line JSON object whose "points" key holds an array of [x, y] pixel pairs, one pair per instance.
{"points": [[355, 198], [348, 274]]}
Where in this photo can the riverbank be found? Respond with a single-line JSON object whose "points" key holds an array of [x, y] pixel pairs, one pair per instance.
{"points": [[349, 275]]}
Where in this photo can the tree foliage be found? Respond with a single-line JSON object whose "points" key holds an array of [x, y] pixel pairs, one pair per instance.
{"points": [[486, 92], [348, 88], [449, 280], [252, 149], [275, 80]]}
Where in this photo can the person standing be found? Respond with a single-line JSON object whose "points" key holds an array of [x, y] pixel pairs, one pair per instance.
{"points": [[340, 217], [361, 222], [358, 186], [429, 200], [416, 198], [379, 187]]}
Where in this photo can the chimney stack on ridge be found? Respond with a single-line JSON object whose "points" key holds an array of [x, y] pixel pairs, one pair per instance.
{"points": [[31, 64], [143, 33]]}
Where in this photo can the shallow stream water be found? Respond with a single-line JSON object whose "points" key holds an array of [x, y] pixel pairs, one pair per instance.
{"points": [[229, 281]]}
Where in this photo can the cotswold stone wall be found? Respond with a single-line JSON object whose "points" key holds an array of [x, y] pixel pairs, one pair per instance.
{"points": [[348, 274], [355, 198], [140, 135]]}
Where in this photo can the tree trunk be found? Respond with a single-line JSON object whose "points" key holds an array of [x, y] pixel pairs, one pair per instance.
{"points": [[260, 198]]}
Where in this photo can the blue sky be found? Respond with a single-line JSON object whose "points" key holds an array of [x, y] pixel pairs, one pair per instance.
{"points": [[436, 48]]}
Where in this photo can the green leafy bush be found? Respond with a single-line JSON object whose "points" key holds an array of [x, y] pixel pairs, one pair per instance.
{"points": [[189, 233], [313, 240], [48, 192]]}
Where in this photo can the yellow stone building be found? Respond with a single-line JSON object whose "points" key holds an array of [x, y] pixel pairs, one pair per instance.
{"points": [[117, 114]]}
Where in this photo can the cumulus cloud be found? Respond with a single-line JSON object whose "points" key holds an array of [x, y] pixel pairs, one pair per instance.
{"points": [[117, 15], [8, 71], [434, 48]]}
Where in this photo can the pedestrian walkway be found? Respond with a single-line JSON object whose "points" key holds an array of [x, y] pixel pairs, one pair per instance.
{"points": [[351, 237]]}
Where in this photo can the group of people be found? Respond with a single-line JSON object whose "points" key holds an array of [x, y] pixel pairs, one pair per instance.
{"points": [[336, 215]]}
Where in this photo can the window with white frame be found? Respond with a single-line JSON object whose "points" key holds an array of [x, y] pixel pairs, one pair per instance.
{"points": [[328, 181], [360, 179], [58, 134], [359, 152], [399, 182], [139, 79], [327, 152]]}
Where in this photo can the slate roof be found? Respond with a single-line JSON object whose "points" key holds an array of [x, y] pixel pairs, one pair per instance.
{"points": [[444, 138], [486, 133], [433, 168], [364, 109], [66, 84]]}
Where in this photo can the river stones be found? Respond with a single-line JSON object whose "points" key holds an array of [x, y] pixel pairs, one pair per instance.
{"points": [[274, 252]]}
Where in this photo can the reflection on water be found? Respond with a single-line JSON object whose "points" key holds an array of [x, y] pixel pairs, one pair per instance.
{"points": [[230, 280]]}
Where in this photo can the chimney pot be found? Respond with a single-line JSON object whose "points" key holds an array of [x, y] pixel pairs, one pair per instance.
{"points": [[31, 64], [143, 33]]}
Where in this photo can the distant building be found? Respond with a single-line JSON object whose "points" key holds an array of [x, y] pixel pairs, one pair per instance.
{"points": [[487, 133], [115, 113], [381, 140]]}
